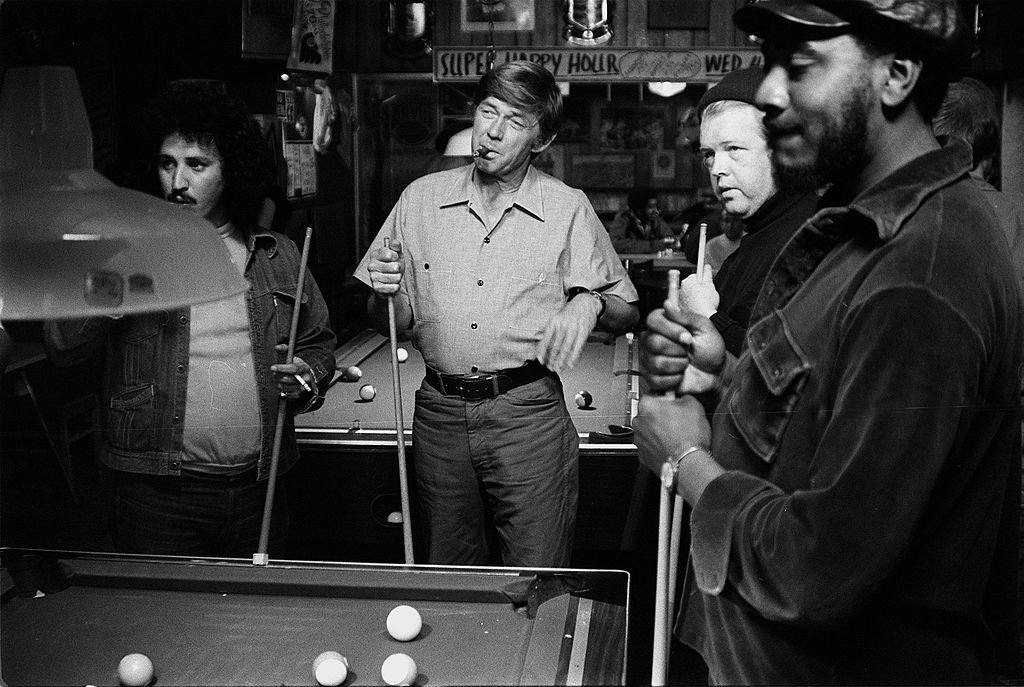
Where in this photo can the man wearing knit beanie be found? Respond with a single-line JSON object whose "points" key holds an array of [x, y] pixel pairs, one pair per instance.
{"points": [[734, 147]]}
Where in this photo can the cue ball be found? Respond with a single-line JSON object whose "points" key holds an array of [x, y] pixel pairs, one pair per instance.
{"points": [[351, 374], [583, 399], [403, 355], [135, 670], [398, 669], [330, 669], [367, 392], [404, 623]]}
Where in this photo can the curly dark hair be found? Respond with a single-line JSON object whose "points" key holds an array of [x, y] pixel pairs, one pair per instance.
{"points": [[202, 111]]}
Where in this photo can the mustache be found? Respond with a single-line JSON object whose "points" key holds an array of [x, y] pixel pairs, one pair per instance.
{"points": [[180, 197]]}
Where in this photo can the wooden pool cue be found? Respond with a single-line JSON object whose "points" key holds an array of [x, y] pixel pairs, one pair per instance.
{"points": [[403, 477], [261, 557], [662, 621], [677, 500]]}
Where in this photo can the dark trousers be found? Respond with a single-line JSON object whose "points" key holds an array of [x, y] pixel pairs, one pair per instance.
{"points": [[512, 460], [196, 516]]}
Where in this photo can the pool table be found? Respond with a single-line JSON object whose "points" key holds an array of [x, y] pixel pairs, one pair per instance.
{"points": [[606, 369], [229, 622], [346, 486]]}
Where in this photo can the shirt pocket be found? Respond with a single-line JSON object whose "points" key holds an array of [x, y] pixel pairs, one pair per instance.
{"points": [[430, 286], [763, 398], [140, 353], [533, 299], [132, 418], [282, 305]]}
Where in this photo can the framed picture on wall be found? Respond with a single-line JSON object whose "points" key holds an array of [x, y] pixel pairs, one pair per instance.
{"points": [[266, 29], [663, 164], [633, 127], [507, 15], [604, 171]]}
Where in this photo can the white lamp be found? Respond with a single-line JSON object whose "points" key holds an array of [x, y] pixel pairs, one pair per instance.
{"points": [[72, 243]]}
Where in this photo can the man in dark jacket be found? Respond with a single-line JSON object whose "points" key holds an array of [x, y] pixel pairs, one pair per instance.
{"points": [[855, 495], [734, 147]]}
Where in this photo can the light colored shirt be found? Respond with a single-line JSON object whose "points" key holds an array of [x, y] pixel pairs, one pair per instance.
{"points": [[222, 417], [480, 299]]}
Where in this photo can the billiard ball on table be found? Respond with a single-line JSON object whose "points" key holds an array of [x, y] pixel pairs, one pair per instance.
{"points": [[404, 623], [583, 399], [351, 374], [399, 669], [367, 392], [135, 670], [330, 669]]}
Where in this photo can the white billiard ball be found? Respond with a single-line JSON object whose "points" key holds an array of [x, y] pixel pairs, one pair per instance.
{"points": [[135, 670], [583, 399], [403, 355], [351, 374], [367, 392], [404, 623], [330, 669], [398, 669]]}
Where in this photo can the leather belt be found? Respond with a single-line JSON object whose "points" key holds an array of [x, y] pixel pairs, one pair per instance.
{"points": [[478, 387]]}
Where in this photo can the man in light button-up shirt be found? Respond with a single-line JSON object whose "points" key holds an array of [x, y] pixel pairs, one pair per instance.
{"points": [[485, 266]]}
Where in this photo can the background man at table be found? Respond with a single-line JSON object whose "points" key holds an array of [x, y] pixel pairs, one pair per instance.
{"points": [[860, 506], [500, 270], [734, 148], [639, 227], [190, 397]]}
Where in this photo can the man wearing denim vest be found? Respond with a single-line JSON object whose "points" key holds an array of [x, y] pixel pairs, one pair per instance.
{"points": [[190, 396]]}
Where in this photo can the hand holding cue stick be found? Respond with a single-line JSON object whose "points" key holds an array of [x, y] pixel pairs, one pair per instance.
{"points": [[659, 660], [260, 557], [403, 477], [677, 500]]}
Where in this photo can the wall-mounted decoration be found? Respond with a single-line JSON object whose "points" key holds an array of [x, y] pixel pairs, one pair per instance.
{"points": [[497, 15], [695, 65], [588, 22], [300, 166], [633, 127], [266, 29], [604, 171], [674, 14], [552, 161], [663, 164], [313, 36], [409, 25]]}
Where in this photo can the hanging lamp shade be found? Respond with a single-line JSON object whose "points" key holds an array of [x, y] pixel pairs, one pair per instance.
{"points": [[72, 243]]}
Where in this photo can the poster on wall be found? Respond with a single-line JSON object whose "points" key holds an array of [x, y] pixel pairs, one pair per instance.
{"points": [[506, 15], [312, 36], [663, 164], [300, 166]]}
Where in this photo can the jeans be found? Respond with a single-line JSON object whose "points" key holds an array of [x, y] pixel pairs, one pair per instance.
{"points": [[195, 515], [512, 460]]}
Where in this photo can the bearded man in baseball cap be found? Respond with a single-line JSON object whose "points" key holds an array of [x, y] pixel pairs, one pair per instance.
{"points": [[855, 494]]}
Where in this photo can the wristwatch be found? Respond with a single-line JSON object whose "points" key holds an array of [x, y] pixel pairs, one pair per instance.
{"points": [[601, 298]]}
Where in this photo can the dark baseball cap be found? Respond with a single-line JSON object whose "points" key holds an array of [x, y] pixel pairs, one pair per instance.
{"points": [[935, 27]]}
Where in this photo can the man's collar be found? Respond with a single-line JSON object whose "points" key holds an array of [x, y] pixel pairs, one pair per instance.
{"points": [[528, 197], [891, 201], [261, 235]]}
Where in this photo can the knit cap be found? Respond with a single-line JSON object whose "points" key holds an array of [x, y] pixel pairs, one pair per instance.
{"points": [[740, 84]]}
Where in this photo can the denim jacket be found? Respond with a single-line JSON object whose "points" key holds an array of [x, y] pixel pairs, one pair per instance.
{"points": [[146, 376]]}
